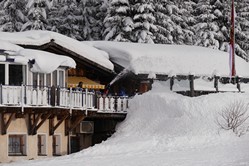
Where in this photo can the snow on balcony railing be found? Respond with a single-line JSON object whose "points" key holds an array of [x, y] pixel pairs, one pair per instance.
{"points": [[60, 97]]}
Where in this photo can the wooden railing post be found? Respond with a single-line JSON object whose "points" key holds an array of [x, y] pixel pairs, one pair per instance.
{"points": [[191, 83], [216, 81], [58, 96], [171, 82], [238, 83]]}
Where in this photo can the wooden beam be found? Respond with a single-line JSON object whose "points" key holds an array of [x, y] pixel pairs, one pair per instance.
{"points": [[4, 126], [70, 126], [43, 120], [53, 127], [32, 125]]}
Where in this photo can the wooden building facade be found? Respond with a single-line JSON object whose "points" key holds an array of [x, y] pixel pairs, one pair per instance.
{"points": [[43, 115]]}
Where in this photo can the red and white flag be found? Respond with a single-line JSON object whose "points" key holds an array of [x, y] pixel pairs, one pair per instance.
{"points": [[232, 43]]}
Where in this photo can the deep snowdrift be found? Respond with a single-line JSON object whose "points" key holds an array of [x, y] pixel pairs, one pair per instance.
{"points": [[164, 128]]}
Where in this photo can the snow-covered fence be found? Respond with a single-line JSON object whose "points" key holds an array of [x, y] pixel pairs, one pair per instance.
{"points": [[60, 97], [112, 103]]}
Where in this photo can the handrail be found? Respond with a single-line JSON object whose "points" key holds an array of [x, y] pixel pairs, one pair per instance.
{"points": [[27, 95]]}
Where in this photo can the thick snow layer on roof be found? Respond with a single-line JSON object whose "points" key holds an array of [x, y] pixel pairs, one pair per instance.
{"points": [[44, 62], [171, 59], [9, 46], [39, 38]]}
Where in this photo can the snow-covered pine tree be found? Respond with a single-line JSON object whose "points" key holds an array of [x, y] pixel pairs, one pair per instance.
{"points": [[118, 23], [186, 9], [165, 26], [206, 29], [94, 13], [12, 15], [37, 14], [242, 27], [144, 19], [68, 19]]}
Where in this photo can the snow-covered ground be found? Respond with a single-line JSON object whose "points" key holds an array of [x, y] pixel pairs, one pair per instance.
{"points": [[163, 128]]}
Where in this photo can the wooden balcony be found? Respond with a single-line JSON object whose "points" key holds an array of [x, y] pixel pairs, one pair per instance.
{"points": [[55, 97]]}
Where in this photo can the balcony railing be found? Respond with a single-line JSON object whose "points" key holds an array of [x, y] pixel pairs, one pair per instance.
{"points": [[30, 96]]}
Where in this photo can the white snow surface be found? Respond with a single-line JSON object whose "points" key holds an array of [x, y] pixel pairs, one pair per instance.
{"points": [[171, 59], [39, 37], [163, 128], [45, 62]]}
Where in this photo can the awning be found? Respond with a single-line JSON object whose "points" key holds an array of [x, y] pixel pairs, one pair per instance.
{"points": [[87, 83]]}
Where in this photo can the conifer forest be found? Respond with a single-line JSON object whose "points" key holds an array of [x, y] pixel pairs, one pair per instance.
{"points": [[190, 22]]}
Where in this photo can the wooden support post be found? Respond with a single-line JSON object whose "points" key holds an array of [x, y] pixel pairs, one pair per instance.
{"points": [[172, 82], [53, 127], [191, 83], [33, 123], [216, 81], [46, 116], [4, 126], [70, 126], [238, 83]]}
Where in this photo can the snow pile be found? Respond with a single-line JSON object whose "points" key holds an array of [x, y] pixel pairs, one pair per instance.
{"points": [[171, 59], [43, 62], [164, 128], [39, 38]]}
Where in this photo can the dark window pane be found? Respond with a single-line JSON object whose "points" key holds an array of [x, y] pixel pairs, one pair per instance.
{"points": [[15, 75], [2, 74]]}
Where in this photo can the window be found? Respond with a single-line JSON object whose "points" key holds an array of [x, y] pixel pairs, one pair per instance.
{"points": [[56, 145], [15, 74], [35, 79], [41, 80], [17, 145], [2, 74], [48, 79], [61, 78], [41, 143], [55, 78]]}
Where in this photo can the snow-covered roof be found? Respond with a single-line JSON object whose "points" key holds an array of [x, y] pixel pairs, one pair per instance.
{"points": [[40, 58], [38, 38], [171, 59]]}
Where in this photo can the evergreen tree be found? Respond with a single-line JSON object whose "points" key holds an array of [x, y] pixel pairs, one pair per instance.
{"points": [[37, 14], [206, 29], [144, 19], [69, 18], [164, 24], [242, 27], [94, 13], [118, 24], [12, 15]]}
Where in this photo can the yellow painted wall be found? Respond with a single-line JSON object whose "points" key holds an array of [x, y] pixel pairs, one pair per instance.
{"points": [[19, 126]]}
